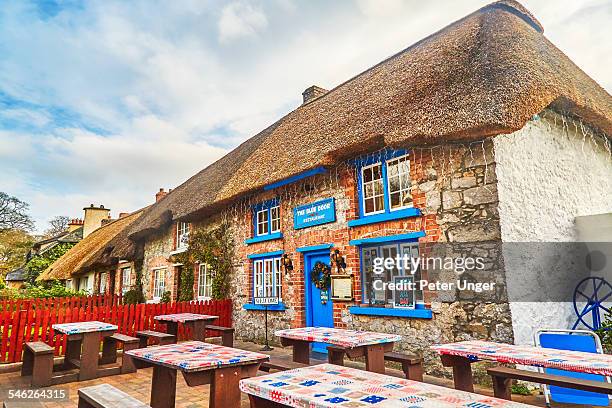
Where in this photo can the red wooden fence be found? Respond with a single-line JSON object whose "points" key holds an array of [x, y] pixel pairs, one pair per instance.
{"points": [[31, 319]]}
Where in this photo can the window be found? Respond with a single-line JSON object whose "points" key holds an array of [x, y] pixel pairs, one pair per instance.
{"points": [[103, 282], [83, 281], [159, 283], [125, 279], [267, 277], [374, 292], [267, 218], [385, 185], [182, 235], [204, 282]]}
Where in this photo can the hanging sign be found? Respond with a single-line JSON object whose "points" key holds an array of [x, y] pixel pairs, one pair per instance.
{"points": [[266, 300], [309, 215], [324, 296]]}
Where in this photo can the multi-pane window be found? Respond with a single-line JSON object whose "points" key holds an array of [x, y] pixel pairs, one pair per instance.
{"points": [[373, 190], [262, 222], [374, 290], [204, 282], [125, 279], [267, 218], [398, 176], [83, 283], [103, 282], [385, 186], [159, 283], [182, 235], [267, 277]]}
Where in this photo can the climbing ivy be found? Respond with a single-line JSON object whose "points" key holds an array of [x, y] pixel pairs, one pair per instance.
{"points": [[214, 247]]}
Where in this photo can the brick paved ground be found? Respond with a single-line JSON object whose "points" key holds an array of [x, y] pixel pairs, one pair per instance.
{"points": [[138, 385]]}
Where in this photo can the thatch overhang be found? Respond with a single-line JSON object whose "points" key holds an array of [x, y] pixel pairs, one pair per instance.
{"points": [[486, 74]]}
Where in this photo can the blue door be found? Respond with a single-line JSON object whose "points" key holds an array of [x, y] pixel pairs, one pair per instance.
{"points": [[318, 314]]}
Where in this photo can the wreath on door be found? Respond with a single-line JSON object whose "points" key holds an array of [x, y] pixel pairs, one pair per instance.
{"points": [[321, 275]]}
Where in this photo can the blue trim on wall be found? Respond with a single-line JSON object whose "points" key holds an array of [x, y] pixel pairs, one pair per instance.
{"points": [[393, 215], [392, 312], [265, 255], [297, 177], [262, 238], [271, 308], [314, 248], [389, 238]]}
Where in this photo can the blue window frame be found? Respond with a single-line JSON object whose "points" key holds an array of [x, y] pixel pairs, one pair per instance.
{"points": [[384, 187], [267, 277]]}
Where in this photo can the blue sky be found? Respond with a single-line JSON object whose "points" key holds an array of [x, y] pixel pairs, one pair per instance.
{"points": [[105, 102]]}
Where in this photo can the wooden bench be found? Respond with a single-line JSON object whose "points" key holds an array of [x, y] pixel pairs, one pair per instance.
{"points": [[107, 396], [38, 362], [412, 366], [159, 337], [227, 334], [109, 351], [284, 364], [503, 376]]}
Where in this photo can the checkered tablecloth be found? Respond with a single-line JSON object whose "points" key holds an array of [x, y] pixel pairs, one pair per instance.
{"points": [[196, 356], [184, 317], [578, 361], [83, 327], [327, 385], [339, 337]]}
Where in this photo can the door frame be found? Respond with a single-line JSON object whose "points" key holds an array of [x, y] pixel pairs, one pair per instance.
{"points": [[307, 294]]}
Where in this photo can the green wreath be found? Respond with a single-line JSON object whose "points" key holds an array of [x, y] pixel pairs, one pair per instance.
{"points": [[321, 275]]}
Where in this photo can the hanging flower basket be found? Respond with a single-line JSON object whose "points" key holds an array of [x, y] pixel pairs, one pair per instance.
{"points": [[321, 275]]}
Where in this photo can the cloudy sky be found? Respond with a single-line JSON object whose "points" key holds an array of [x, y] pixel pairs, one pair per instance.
{"points": [[105, 102]]}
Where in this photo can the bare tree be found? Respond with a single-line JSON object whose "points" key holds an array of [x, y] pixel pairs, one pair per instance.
{"points": [[57, 225], [14, 213]]}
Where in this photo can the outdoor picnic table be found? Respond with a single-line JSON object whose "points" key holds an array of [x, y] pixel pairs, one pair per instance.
{"points": [[196, 322], [200, 363], [461, 355], [83, 345], [328, 385], [371, 345]]}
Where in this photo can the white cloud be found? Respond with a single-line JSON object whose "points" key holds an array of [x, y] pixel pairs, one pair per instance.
{"points": [[241, 19]]}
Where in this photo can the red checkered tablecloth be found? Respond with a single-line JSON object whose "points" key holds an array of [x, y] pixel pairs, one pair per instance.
{"points": [[327, 385], [196, 356], [577, 361], [184, 317], [339, 337]]}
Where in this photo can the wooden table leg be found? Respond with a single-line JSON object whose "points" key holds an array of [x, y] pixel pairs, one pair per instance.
{"points": [[198, 330], [109, 351], [301, 351], [375, 358], [462, 371], [73, 352], [501, 388], [224, 391], [89, 356], [163, 387], [172, 328]]}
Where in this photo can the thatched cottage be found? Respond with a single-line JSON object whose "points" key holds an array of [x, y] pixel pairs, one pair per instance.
{"points": [[483, 133]]}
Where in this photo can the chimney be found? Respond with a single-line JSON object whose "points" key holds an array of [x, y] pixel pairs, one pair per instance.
{"points": [[74, 224], [123, 214], [312, 92], [93, 219], [160, 194]]}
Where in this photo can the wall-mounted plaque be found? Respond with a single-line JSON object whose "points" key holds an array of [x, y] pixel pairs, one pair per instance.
{"points": [[403, 293], [342, 287]]}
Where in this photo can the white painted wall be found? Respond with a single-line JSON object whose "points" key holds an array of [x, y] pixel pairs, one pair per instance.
{"points": [[548, 174]]}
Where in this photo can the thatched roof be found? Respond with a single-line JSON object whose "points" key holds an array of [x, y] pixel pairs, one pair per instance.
{"points": [[90, 250], [483, 75]]}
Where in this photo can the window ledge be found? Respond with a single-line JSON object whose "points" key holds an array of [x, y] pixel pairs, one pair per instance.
{"points": [[392, 312], [393, 215], [271, 308], [179, 251], [263, 238]]}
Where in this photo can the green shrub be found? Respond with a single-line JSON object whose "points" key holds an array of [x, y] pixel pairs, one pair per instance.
{"points": [[49, 290], [165, 297], [605, 334], [133, 296], [520, 389]]}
